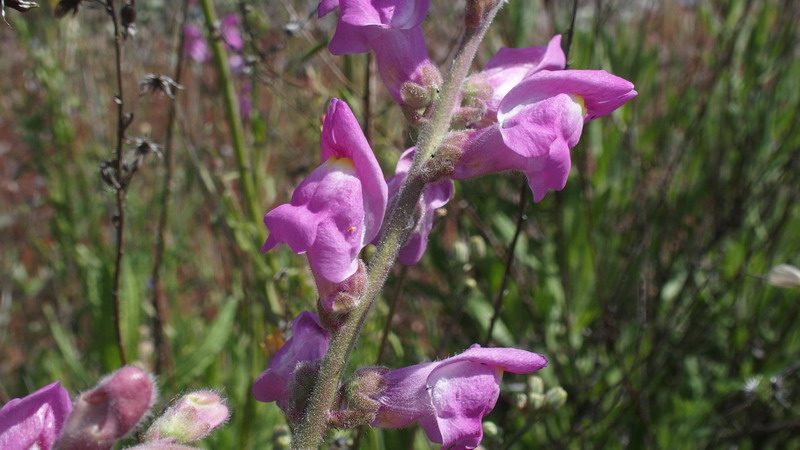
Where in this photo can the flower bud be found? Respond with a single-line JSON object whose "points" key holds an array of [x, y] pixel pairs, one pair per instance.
{"points": [[190, 419], [536, 401], [520, 400], [336, 300], [109, 411], [477, 89], [281, 437], [466, 115], [535, 385], [490, 429], [555, 398], [477, 246], [359, 405], [443, 161], [477, 10], [461, 251], [784, 276], [305, 375], [414, 95], [161, 445]]}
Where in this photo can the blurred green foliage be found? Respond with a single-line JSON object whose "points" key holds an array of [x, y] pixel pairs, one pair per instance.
{"points": [[640, 280]]}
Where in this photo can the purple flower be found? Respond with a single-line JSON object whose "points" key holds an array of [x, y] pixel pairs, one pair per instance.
{"points": [[107, 412], [326, 7], [450, 398], [434, 196], [34, 421], [392, 29], [339, 208], [509, 66], [229, 29], [309, 342], [194, 44], [539, 120]]}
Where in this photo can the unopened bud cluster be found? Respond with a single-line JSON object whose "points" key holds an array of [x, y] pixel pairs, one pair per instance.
{"points": [[108, 412]]}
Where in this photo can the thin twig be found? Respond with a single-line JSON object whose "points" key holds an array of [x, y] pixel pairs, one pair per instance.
{"points": [[119, 219], [498, 301], [387, 327], [163, 352]]}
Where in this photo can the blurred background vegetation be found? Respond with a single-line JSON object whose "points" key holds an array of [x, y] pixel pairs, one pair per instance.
{"points": [[641, 281]]}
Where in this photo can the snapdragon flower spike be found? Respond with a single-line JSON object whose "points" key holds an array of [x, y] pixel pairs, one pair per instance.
{"points": [[34, 421], [509, 66], [539, 120], [339, 208], [109, 411], [434, 196], [449, 398], [390, 28], [309, 343]]}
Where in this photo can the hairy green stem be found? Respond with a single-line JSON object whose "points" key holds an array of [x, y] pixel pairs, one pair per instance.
{"points": [[231, 110], [310, 433]]}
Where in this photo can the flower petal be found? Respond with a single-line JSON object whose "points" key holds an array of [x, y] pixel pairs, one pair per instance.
{"points": [[406, 398], [509, 66], [530, 129], [36, 419], [326, 7], [509, 359], [601, 91], [462, 392], [309, 342], [342, 136]]}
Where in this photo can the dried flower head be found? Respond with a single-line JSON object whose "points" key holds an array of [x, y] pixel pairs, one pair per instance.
{"points": [[128, 18], [19, 5], [158, 83], [66, 6]]}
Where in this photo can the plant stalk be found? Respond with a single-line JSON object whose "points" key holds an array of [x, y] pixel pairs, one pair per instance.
{"points": [[119, 220], [310, 433], [163, 351], [231, 111]]}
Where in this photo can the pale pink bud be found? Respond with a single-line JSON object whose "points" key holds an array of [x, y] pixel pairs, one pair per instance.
{"points": [[109, 411], [162, 445], [190, 419]]}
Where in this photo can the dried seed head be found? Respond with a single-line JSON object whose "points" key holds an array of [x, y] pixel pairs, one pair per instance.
{"points": [[66, 6], [158, 83]]}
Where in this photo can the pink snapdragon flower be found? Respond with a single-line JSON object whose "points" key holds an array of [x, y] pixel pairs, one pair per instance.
{"points": [[229, 29], [434, 196], [34, 421], [449, 398], [194, 44], [390, 28], [509, 66], [339, 208], [192, 418], [110, 410], [309, 342], [538, 121]]}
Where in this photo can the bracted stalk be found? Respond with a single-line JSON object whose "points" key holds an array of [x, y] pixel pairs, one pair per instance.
{"points": [[310, 433]]}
